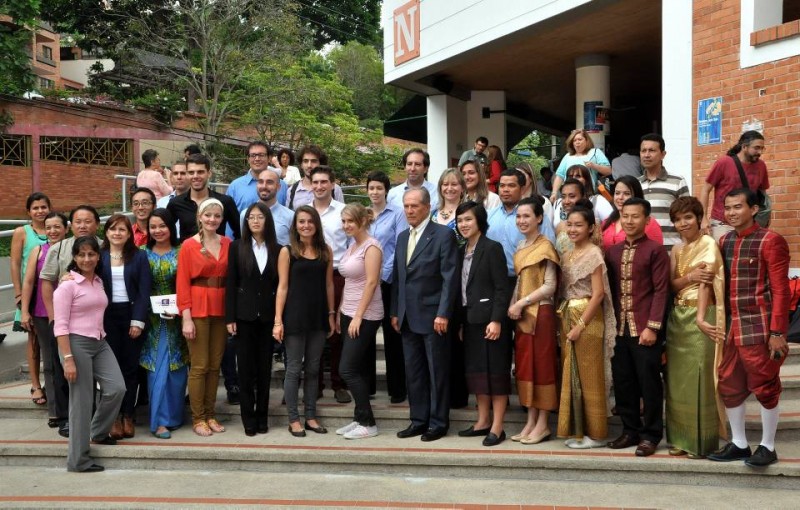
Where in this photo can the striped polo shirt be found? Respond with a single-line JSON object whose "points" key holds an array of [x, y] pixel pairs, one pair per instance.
{"points": [[661, 192]]}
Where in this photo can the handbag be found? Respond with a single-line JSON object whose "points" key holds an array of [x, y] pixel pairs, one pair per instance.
{"points": [[764, 214]]}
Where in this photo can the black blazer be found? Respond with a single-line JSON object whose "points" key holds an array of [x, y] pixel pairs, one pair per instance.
{"points": [[250, 296], [138, 282], [487, 284]]}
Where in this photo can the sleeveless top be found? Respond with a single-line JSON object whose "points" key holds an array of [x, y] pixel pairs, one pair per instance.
{"points": [[38, 304], [353, 268], [306, 307], [32, 240]]}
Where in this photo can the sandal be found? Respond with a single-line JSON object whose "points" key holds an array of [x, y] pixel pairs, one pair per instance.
{"points": [[216, 426], [39, 401], [202, 429]]}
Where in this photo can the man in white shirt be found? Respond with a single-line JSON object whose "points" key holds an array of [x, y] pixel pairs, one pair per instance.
{"points": [[330, 213], [267, 185], [180, 184], [416, 163]]}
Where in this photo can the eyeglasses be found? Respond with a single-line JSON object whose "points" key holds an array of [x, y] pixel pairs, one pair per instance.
{"points": [[142, 203], [256, 218], [258, 155]]}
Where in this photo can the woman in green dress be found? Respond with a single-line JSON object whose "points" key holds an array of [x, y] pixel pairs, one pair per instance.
{"points": [[694, 336]]}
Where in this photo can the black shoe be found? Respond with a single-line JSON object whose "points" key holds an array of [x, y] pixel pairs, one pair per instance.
{"points": [[105, 440], [53, 422], [433, 434], [262, 429], [342, 396], [319, 430], [299, 433], [412, 431], [249, 432], [63, 429], [729, 453], [233, 396], [493, 439], [473, 432], [624, 441], [94, 468], [396, 399], [762, 457]]}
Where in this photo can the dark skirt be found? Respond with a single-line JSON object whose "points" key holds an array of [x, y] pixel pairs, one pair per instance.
{"points": [[487, 362]]}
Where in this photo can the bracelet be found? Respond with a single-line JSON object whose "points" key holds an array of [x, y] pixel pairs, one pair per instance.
{"points": [[332, 312], [68, 356], [277, 324], [581, 323]]}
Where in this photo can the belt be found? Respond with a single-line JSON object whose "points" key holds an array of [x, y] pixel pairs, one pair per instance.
{"points": [[216, 282], [685, 302]]}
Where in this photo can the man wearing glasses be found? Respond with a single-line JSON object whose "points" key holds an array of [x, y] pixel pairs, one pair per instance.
{"points": [[301, 192], [243, 189]]}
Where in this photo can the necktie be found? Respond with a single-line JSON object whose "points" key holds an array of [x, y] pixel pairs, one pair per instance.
{"points": [[412, 243]]}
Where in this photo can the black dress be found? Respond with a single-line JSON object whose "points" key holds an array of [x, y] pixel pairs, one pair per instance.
{"points": [[307, 299]]}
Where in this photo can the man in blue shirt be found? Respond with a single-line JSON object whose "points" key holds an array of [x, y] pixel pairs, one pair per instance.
{"points": [[267, 186], [415, 163]]}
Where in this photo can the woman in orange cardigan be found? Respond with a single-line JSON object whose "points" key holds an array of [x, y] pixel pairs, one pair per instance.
{"points": [[202, 268]]}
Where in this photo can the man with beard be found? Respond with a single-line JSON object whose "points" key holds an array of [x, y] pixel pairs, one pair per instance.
{"points": [[267, 185], [724, 178]]}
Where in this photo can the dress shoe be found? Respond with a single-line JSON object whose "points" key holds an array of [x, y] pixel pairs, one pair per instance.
{"points": [[729, 453], [233, 396], [94, 468], [473, 432], [544, 436], [412, 431], [297, 433], [318, 429], [105, 440], [762, 457], [493, 439], [249, 432], [396, 399], [128, 430], [53, 422], [433, 434], [342, 396], [624, 441], [262, 429], [63, 429], [646, 448], [116, 429]]}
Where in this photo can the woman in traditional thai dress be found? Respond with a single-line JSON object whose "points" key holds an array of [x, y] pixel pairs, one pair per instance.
{"points": [[165, 355], [695, 332], [536, 264], [587, 335]]}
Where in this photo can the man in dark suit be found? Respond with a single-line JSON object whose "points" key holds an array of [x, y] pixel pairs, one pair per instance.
{"points": [[426, 287]]}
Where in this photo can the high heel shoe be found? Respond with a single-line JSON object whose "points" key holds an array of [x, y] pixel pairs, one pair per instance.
{"points": [[544, 436], [318, 429]]}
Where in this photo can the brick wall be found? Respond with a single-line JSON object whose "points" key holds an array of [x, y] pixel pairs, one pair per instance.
{"points": [[715, 62]]}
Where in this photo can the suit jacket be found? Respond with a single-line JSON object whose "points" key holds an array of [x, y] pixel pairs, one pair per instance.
{"points": [[428, 286], [138, 282], [487, 283], [250, 295]]}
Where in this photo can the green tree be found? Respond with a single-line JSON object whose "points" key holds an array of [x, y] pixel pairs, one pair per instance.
{"points": [[526, 150], [16, 76], [342, 21]]}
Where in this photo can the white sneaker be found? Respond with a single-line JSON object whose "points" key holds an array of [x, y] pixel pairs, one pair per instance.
{"points": [[586, 443], [361, 432], [347, 428]]}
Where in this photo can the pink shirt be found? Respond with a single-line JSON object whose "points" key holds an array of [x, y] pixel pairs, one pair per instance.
{"points": [[153, 180], [78, 307], [612, 237], [353, 268]]}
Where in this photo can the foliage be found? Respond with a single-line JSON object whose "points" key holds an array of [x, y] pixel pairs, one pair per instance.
{"points": [[164, 104], [526, 150], [342, 21], [16, 76]]}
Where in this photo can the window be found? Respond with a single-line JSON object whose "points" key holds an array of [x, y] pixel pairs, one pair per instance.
{"points": [[770, 31], [46, 84], [89, 151], [15, 150], [47, 52]]}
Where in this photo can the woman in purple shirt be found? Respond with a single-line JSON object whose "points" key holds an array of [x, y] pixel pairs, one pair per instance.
{"points": [[79, 303]]}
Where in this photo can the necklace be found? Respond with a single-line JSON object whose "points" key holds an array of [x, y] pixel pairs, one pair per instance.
{"points": [[575, 253], [445, 214], [527, 243], [115, 257]]}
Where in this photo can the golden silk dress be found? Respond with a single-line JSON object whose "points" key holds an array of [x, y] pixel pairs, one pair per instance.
{"points": [[586, 363], [694, 413]]}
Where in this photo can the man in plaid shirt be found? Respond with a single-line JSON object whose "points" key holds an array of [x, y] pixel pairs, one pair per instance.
{"points": [[756, 275]]}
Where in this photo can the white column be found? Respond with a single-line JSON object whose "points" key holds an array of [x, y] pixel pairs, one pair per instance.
{"points": [[447, 130], [677, 106], [592, 83]]}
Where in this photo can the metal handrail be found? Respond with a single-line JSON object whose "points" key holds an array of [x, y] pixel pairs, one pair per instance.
{"points": [[125, 178]]}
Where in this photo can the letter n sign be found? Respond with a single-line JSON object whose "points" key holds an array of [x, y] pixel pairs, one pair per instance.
{"points": [[406, 32]]}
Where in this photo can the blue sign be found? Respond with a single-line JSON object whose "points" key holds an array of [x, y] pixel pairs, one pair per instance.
{"points": [[709, 121]]}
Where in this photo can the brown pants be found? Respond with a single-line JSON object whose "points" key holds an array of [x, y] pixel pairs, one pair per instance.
{"points": [[205, 355]]}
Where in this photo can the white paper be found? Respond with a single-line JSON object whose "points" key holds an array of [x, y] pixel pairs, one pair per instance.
{"points": [[166, 304]]}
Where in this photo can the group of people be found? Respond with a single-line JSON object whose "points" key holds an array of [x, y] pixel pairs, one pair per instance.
{"points": [[462, 281]]}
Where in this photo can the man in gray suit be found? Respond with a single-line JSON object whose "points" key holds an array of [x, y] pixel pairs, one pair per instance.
{"points": [[426, 287]]}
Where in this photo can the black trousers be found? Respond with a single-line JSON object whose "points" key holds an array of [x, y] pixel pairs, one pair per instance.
{"points": [[254, 347], [428, 378], [459, 394], [117, 323], [393, 349], [228, 365], [357, 364], [636, 372], [60, 390]]}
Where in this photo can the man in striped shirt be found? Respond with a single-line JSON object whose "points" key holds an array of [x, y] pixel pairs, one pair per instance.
{"points": [[660, 188]]}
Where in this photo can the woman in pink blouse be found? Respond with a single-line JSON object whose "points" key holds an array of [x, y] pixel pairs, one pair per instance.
{"points": [[79, 303], [624, 188]]}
